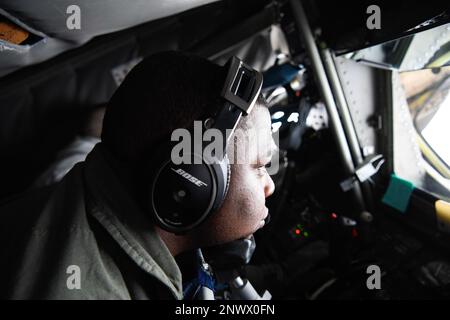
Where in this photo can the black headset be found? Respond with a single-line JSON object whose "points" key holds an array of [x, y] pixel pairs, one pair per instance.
{"points": [[182, 196]]}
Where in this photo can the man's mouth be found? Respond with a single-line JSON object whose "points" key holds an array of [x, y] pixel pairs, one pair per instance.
{"points": [[262, 223], [265, 220]]}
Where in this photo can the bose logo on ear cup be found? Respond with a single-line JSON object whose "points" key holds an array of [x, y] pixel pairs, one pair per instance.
{"points": [[189, 177]]}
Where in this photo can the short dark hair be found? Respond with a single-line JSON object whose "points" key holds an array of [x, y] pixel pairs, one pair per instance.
{"points": [[166, 91]]}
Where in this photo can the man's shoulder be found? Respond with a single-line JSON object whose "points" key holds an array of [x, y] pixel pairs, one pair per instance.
{"points": [[52, 248], [39, 214], [37, 228], [26, 208]]}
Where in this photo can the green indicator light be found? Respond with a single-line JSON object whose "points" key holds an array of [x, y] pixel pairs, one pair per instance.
{"points": [[306, 234]]}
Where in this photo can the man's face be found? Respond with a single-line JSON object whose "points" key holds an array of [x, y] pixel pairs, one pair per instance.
{"points": [[243, 210]]}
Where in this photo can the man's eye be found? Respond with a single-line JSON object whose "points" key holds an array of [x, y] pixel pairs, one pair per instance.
{"points": [[265, 166], [261, 170]]}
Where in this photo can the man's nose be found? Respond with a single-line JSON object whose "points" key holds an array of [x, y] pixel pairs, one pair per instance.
{"points": [[269, 187]]}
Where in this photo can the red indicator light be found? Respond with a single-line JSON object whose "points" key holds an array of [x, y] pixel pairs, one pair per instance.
{"points": [[297, 231], [334, 215]]}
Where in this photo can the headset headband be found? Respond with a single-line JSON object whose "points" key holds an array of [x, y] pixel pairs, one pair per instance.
{"points": [[242, 85], [241, 90]]}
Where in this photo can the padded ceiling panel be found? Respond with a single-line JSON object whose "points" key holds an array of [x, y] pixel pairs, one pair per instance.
{"points": [[46, 20]]}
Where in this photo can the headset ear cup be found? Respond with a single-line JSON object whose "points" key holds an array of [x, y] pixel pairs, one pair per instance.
{"points": [[178, 197]]}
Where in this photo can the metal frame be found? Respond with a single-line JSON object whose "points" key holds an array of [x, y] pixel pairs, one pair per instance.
{"points": [[324, 87]]}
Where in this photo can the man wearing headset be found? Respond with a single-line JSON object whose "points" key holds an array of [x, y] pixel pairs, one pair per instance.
{"points": [[111, 229]]}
